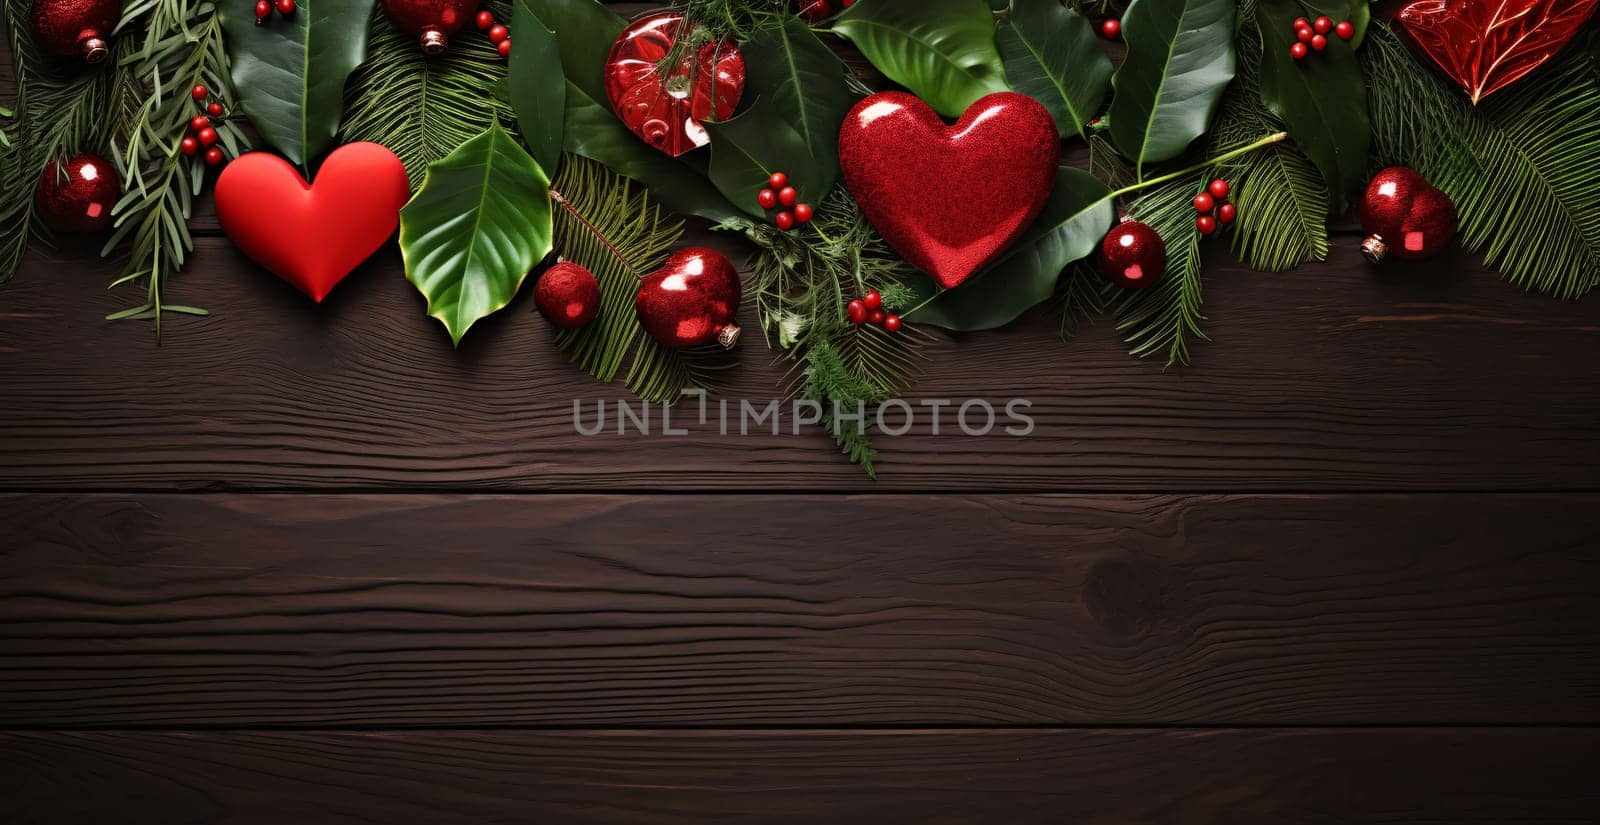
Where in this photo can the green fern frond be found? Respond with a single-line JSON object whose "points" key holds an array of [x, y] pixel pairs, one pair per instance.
{"points": [[1163, 318], [423, 107], [827, 380], [1085, 295]]}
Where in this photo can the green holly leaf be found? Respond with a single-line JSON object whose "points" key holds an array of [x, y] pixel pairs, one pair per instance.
{"points": [[942, 50], [1069, 228], [537, 86], [289, 73], [1053, 55], [476, 227], [748, 148], [1321, 100], [586, 31], [803, 82], [1180, 58]]}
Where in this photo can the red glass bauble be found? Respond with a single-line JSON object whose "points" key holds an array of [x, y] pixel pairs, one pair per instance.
{"points": [[691, 299], [949, 198], [1133, 255], [75, 28], [431, 21], [815, 10], [1405, 216], [78, 197], [567, 295], [661, 92], [1485, 46]]}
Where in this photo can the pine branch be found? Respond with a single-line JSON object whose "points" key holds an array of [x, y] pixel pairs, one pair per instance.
{"points": [[1085, 295], [1162, 318]]}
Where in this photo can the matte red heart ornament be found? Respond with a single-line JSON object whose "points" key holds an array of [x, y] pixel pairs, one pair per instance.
{"points": [[312, 234], [948, 198], [662, 79], [1486, 45]]}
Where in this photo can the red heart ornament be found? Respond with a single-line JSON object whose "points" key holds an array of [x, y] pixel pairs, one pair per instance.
{"points": [[312, 234], [664, 103], [1485, 45], [949, 198]]}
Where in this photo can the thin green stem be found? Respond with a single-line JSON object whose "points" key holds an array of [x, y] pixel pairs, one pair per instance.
{"points": [[1278, 137]]}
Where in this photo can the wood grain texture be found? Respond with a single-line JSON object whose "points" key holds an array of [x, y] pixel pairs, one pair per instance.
{"points": [[261, 610], [1092, 777]]}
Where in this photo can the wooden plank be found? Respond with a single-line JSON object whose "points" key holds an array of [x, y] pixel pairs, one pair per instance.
{"points": [[805, 777], [438, 611], [1331, 378]]}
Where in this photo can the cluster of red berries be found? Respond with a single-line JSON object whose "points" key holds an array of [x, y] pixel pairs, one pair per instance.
{"points": [[1111, 27], [264, 9], [780, 194], [817, 11], [499, 35], [1213, 206], [868, 309], [202, 128], [1312, 35]]}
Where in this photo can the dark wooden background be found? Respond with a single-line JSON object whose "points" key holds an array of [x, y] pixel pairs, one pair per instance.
{"points": [[302, 563]]}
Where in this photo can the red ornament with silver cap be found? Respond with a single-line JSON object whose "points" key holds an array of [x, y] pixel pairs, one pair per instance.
{"points": [[663, 77], [79, 196], [75, 28], [1133, 255], [691, 300], [1405, 216], [431, 21]]}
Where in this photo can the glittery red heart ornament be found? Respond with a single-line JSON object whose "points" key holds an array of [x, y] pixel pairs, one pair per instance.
{"points": [[1485, 45], [663, 79], [691, 300], [312, 234], [949, 198]]}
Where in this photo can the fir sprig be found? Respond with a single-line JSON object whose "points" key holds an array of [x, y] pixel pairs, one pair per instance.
{"points": [[1163, 318]]}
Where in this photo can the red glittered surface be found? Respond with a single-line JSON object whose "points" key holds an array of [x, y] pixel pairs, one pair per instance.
{"points": [[568, 295], [1413, 218], [690, 298], [1133, 255], [1485, 45], [417, 16], [664, 105], [81, 199], [949, 198], [59, 25]]}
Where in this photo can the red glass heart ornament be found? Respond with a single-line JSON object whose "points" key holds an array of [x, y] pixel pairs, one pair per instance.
{"points": [[1485, 45], [691, 299], [312, 234], [949, 198], [662, 79], [1405, 216]]}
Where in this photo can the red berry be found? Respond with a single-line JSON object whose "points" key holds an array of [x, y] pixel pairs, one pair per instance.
{"points": [[198, 93], [1111, 27], [891, 323], [857, 312], [1322, 25], [285, 7], [1302, 23], [1226, 213], [263, 9], [498, 33], [1345, 30], [802, 213], [1319, 42], [845, 4], [787, 196], [815, 11], [485, 19], [215, 109], [504, 47], [213, 156], [188, 146], [778, 180], [1218, 189], [872, 299], [199, 122], [1206, 224], [207, 136], [767, 198], [1298, 51], [1305, 35], [876, 316], [784, 220], [1203, 203]]}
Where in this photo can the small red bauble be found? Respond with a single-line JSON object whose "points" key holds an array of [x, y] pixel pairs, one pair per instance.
{"points": [[1218, 189], [1322, 25], [1204, 203], [567, 295], [285, 7], [1133, 255], [691, 300], [485, 19], [1226, 213], [875, 316], [1319, 42], [815, 11], [664, 104], [1111, 27], [767, 198], [872, 300], [1298, 51], [213, 156], [1206, 224], [802, 213], [79, 197], [503, 48], [1405, 216], [784, 220], [75, 28], [430, 21], [856, 311], [891, 323], [787, 196], [778, 181], [206, 136], [215, 109], [1344, 29], [188, 146], [498, 33]]}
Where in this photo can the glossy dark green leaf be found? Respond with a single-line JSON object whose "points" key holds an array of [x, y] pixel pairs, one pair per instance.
{"points": [[1180, 58], [1321, 100], [1075, 219], [942, 50], [476, 227], [748, 148], [803, 81], [1053, 54], [289, 73], [537, 87], [585, 31], [1356, 11]]}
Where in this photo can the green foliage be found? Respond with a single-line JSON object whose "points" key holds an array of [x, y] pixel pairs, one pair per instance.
{"points": [[290, 72], [942, 50], [476, 227], [537, 88], [1519, 167], [748, 148], [802, 83], [1180, 58], [826, 380], [422, 107], [1053, 54], [1163, 318]]}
